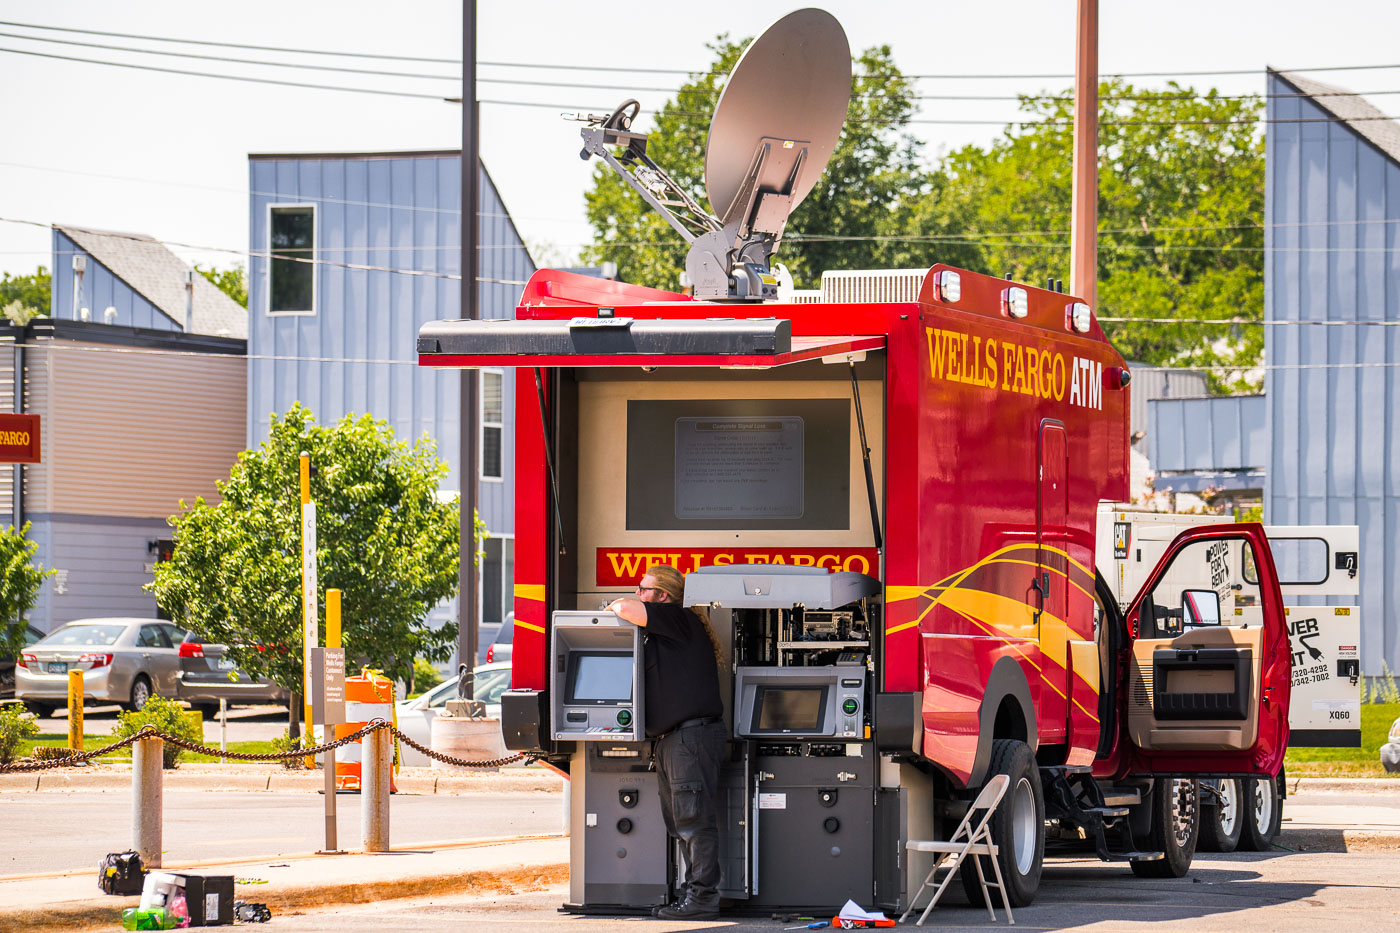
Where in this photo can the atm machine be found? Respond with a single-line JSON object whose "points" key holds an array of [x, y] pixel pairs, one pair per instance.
{"points": [[798, 787]]}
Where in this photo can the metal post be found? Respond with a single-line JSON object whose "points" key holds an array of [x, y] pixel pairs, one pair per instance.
{"points": [[568, 803], [223, 729], [75, 710], [467, 465], [147, 775], [374, 791], [328, 730], [309, 634], [1084, 222]]}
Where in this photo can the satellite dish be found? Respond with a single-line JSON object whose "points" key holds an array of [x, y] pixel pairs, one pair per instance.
{"points": [[773, 131], [792, 86]]}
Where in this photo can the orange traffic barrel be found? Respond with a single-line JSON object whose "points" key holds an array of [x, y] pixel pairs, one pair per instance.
{"points": [[369, 695]]}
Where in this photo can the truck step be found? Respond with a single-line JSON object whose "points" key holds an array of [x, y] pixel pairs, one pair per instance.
{"points": [[1106, 812], [1121, 797], [1140, 856]]}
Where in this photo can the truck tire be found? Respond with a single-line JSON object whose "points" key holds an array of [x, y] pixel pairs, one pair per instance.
{"points": [[1175, 828], [1262, 814], [1223, 821], [1017, 827]]}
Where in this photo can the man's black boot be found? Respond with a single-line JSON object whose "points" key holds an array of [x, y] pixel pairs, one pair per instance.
{"points": [[688, 910]]}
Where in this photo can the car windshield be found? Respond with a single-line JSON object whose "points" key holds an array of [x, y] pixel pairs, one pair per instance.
{"points": [[84, 635]]}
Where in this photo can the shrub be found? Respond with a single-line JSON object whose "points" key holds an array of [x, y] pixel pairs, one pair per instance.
{"points": [[1382, 689], [15, 727], [165, 716], [285, 743], [424, 675]]}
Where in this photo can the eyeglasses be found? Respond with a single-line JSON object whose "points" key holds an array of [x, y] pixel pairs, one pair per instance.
{"points": [[643, 589]]}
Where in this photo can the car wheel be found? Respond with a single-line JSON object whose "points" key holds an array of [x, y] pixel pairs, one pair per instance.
{"points": [[1222, 823], [1175, 828], [1017, 827], [140, 693], [1262, 814]]}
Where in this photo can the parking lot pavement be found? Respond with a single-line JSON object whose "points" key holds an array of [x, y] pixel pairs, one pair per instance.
{"points": [[245, 723], [1242, 892]]}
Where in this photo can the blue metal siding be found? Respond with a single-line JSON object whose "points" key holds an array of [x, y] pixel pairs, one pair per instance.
{"points": [[1209, 434], [1331, 255], [104, 560], [357, 352], [100, 290]]}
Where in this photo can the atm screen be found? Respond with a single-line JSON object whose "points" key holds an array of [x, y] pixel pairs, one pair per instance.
{"points": [[790, 710], [600, 677]]}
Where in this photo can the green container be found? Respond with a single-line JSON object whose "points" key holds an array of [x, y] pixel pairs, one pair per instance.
{"points": [[157, 918]]}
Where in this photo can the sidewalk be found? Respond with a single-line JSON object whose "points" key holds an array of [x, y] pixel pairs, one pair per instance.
{"points": [[73, 901]]}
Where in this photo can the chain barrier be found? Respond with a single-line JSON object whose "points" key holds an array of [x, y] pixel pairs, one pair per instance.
{"points": [[149, 732]]}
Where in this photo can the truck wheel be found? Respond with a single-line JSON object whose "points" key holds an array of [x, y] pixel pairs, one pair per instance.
{"points": [[1017, 827], [1262, 813], [1222, 823], [1174, 830]]}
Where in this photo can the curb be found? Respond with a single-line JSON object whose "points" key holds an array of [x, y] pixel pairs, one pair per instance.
{"points": [[1316, 839], [1348, 785], [425, 783]]}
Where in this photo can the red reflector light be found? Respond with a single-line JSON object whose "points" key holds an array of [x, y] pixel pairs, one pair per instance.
{"points": [[490, 652], [191, 649], [96, 659]]}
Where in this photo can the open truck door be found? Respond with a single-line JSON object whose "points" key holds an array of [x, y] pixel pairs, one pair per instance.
{"points": [[1209, 663]]}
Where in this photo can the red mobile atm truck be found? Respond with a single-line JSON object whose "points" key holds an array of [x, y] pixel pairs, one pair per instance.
{"points": [[888, 500], [996, 421]]}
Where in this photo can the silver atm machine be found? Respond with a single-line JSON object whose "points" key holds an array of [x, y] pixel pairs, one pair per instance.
{"points": [[617, 846]]}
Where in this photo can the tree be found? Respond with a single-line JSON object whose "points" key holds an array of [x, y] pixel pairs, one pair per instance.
{"points": [[232, 282], [868, 191], [19, 587], [1181, 208], [25, 297], [384, 536]]}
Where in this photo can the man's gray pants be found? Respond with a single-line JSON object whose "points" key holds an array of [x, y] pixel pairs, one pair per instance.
{"points": [[687, 770]]}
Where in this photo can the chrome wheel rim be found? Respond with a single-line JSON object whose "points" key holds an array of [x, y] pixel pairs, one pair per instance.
{"points": [[140, 693], [1229, 809], [1183, 811], [1263, 804], [1023, 826]]}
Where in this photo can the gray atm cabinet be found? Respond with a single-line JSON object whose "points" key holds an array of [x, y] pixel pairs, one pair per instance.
{"points": [[618, 844], [597, 678]]}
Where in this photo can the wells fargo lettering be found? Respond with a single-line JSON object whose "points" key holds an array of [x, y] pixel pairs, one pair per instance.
{"points": [[1005, 366], [14, 438], [620, 566]]}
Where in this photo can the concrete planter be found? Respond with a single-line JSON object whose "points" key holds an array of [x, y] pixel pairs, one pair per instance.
{"points": [[468, 739]]}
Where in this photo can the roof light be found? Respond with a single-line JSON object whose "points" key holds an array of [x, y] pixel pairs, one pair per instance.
{"points": [[949, 286], [1079, 316], [1015, 302]]}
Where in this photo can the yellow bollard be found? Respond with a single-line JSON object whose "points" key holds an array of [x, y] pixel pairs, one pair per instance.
{"points": [[332, 618], [75, 710]]}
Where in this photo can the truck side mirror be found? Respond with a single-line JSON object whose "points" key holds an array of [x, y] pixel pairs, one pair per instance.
{"points": [[1200, 607]]}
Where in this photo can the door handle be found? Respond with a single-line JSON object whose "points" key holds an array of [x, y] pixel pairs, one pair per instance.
{"points": [[1041, 584]]}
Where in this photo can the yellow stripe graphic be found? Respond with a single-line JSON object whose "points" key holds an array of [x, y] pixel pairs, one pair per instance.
{"points": [[533, 591], [533, 628]]}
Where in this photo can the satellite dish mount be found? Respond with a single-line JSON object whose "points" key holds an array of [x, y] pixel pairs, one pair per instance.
{"points": [[773, 131]]}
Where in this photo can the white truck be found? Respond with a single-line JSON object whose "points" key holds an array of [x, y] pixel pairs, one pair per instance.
{"points": [[1313, 562]]}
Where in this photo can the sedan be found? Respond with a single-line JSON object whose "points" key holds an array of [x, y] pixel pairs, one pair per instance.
{"points": [[416, 715], [124, 661], [208, 675], [7, 665]]}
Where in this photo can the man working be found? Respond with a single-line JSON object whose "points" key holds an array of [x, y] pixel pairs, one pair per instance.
{"points": [[683, 715]]}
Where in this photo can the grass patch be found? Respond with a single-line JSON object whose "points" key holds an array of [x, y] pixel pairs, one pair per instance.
{"points": [[1348, 762], [91, 742]]}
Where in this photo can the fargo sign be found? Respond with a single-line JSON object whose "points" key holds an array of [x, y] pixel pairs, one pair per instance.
{"points": [[625, 566], [19, 438]]}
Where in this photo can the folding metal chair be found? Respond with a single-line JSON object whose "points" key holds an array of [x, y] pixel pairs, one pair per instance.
{"points": [[967, 840]]}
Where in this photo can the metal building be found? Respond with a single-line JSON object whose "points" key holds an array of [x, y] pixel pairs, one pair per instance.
{"points": [[1332, 215], [349, 254]]}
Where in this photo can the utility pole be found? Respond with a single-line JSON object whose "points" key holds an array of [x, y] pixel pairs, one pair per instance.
{"points": [[468, 466], [1084, 225]]}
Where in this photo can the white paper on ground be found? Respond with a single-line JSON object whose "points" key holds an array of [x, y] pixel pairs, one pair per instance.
{"points": [[853, 911]]}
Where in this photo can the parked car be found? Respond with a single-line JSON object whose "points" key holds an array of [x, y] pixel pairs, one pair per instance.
{"points": [[504, 641], [7, 665], [207, 675], [123, 661], [416, 716]]}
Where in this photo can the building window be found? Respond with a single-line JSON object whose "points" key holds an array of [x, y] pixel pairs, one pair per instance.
{"points": [[497, 579], [492, 423], [292, 235]]}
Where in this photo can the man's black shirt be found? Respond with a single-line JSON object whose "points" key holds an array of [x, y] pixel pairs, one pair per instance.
{"points": [[682, 680]]}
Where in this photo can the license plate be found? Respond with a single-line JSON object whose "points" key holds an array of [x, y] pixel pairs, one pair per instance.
{"points": [[57, 667], [224, 664]]}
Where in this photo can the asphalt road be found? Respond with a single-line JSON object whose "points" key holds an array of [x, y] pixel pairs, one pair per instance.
{"points": [[1238, 893], [61, 831]]}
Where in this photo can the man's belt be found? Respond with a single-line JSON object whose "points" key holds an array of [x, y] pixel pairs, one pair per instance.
{"points": [[700, 721]]}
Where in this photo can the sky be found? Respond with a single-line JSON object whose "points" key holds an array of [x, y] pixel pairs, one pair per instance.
{"points": [[166, 154]]}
